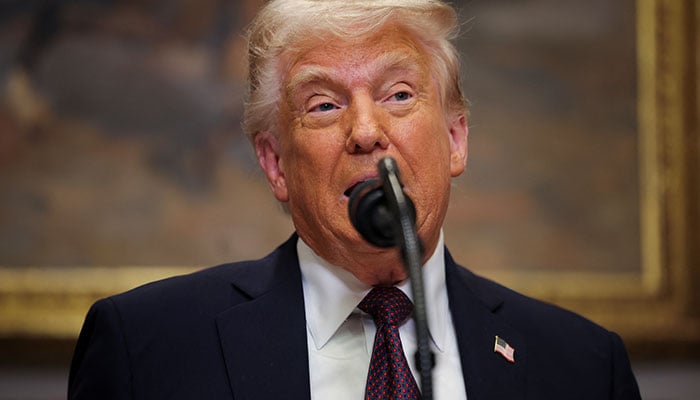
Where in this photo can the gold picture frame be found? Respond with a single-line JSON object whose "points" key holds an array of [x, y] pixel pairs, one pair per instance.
{"points": [[658, 306], [655, 311]]}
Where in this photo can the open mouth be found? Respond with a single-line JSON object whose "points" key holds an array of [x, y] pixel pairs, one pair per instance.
{"points": [[370, 181], [349, 190], [358, 181]]}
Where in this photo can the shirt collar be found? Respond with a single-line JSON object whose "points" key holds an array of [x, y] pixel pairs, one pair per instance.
{"points": [[331, 294]]}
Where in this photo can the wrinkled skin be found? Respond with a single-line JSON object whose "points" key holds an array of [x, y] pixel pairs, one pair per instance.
{"points": [[346, 104]]}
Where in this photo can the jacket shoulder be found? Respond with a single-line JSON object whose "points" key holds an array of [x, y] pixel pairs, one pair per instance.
{"points": [[564, 350], [210, 290], [530, 314]]}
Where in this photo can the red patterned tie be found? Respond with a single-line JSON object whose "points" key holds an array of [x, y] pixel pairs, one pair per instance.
{"points": [[389, 376]]}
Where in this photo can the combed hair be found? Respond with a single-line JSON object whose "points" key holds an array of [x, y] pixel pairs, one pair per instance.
{"points": [[284, 27]]}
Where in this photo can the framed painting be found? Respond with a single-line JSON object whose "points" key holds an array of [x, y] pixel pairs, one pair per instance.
{"points": [[122, 159]]}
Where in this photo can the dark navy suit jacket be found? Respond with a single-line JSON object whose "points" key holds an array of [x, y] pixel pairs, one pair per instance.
{"points": [[238, 331]]}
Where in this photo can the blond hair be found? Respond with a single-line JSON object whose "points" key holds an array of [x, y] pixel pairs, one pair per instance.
{"points": [[284, 26]]}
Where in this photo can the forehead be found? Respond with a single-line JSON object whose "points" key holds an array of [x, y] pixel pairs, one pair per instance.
{"points": [[387, 50]]}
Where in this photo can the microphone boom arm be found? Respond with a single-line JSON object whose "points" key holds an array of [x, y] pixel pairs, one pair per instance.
{"points": [[411, 252]]}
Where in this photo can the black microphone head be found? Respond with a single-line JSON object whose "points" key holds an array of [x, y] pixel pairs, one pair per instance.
{"points": [[371, 216]]}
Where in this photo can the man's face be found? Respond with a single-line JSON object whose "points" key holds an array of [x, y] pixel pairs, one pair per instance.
{"points": [[345, 105]]}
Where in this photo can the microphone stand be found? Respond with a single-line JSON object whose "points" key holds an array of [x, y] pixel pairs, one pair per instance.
{"points": [[411, 251]]}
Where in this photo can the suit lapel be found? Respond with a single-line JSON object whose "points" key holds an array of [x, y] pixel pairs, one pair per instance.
{"points": [[263, 339], [487, 374]]}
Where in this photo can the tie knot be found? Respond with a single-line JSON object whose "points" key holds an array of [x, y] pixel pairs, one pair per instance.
{"points": [[387, 305]]}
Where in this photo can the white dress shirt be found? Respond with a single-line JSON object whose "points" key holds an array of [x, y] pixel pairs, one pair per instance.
{"points": [[340, 336]]}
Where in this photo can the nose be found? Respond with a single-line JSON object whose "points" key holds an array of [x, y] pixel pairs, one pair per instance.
{"points": [[366, 132]]}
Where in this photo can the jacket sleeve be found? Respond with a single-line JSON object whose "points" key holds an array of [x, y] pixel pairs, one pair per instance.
{"points": [[100, 368], [624, 383]]}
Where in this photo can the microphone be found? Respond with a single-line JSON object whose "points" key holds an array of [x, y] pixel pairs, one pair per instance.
{"points": [[385, 216], [371, 214]]}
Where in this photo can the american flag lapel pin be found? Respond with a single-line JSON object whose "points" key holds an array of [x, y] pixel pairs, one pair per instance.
{"points": [[503, 348]]}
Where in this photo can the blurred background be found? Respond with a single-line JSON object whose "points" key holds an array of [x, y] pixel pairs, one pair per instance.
{"points": [[122, 160]]}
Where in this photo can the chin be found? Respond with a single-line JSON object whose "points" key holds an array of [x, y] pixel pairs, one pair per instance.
{"points": [[390, 282]]}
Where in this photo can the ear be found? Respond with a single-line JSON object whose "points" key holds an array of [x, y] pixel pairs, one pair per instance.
{"points": [[459, 131], [267, 149]]}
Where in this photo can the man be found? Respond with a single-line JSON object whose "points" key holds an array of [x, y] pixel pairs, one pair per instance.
{"points": [[335, 85]]}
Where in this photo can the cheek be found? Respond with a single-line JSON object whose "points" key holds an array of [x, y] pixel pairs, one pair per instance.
{"points": [[428, 159], [429, 144], [310, 157]]}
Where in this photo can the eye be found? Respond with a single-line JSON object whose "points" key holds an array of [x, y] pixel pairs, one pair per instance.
{"points": [[324, 107], [401, 96]]}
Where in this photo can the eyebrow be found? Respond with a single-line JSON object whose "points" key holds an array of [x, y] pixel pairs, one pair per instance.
{"points": [[310, 74], [387, 61]]}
